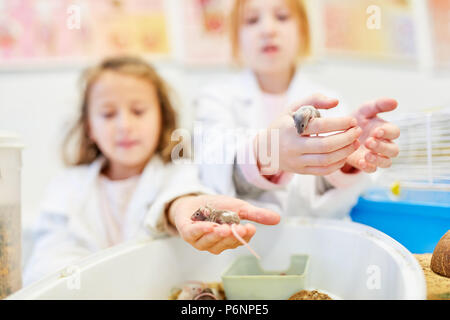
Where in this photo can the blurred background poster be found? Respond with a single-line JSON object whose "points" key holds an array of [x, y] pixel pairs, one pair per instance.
{"points": [[39, 30], [440, 29], [389, 31], [205, 32]]}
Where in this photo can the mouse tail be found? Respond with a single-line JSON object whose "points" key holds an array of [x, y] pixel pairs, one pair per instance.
{"points": [[237, 236]]}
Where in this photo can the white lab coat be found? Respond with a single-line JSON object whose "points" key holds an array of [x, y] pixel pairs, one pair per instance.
{"points": [[235, 104], [70, 226]]}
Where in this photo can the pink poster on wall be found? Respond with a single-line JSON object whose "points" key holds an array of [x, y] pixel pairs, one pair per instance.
{"points": [[58, 30], [440, 28], [370, 29], [205, 32]]}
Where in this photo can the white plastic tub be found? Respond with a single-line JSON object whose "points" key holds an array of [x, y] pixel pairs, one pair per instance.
{"points": [[347, 260]]}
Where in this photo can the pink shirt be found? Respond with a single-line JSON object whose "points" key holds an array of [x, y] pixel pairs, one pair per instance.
{"points": [[115, 197]]}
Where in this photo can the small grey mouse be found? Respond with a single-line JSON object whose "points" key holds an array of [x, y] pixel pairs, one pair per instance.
{"points": [[217, 216], [302, 117], [222, 217]]}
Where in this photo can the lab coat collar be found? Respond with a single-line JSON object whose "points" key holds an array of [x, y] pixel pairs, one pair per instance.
{"points": [[85, 216], [145, 193], [152, 170]]}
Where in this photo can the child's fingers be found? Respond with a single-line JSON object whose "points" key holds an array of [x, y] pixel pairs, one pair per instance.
{"points": [[191, 232], [366, 166], [384, 162], [251, 230], [325, 125], [378, 160], [385, 148], [319, 101], [326, 159], [323, 171], [386, 131], [329, 143], [245, 210], [246, 232], [372, 108], [229, 242], [205, 244], [258, 215], [209, 240]]}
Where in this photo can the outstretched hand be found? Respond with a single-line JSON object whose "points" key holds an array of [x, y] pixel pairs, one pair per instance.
{"points": [[377, 147], [212, 237], [307, 153]]}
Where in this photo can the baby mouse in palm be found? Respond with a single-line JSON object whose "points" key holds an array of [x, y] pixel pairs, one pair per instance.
{"points": [[222, 217]]}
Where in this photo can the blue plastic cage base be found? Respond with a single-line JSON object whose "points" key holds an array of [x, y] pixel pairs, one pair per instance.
{"points": [[416, 226]]}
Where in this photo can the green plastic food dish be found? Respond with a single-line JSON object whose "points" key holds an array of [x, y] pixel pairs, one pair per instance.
{"points": [[246, 280]]}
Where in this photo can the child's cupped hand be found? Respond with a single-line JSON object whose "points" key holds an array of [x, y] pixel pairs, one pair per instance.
{"points": [[305, 154], [212, 237], [377, 146]]}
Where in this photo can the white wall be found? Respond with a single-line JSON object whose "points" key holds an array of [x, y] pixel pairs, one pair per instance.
{"points": [[40, 105]]}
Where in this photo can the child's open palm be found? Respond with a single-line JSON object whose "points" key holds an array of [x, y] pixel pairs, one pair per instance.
{"points": [[377, 147], [212, 237]]}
